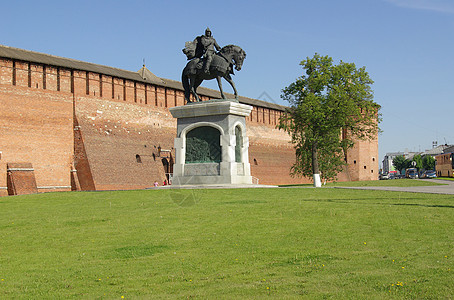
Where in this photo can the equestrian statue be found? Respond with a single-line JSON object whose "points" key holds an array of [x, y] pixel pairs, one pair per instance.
{"points": [[206, 64]]}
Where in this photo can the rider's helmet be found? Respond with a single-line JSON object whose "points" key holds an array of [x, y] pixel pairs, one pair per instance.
{"points": [[207, 31]]}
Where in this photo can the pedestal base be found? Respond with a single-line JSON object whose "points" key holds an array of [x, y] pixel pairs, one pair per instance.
{"points": [[227, 117], [210, 180]]}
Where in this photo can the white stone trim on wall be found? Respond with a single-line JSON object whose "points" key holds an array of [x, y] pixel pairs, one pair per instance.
{"points": [[55, 187]]}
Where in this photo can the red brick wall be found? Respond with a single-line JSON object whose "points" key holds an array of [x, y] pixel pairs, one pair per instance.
{"points": [[115, 132], [81, 175], [21, 179], [270, 154], [37, 128]]}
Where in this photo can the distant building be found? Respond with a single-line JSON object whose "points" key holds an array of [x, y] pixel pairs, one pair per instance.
{"points": [[437, 150], [389, 157], [388, 161], [448, 149]]}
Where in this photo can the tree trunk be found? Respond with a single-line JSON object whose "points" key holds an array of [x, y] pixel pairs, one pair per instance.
{"points": [[315, 167]]}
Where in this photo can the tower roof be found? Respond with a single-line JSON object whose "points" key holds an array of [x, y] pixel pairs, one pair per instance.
{"points": [[148, 76]]}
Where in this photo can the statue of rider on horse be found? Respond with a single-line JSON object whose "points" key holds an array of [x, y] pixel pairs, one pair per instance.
{"points": [[202, 47], [206, 64]]}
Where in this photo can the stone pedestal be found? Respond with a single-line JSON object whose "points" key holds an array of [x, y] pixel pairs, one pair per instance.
{"points": [[218, 127]]}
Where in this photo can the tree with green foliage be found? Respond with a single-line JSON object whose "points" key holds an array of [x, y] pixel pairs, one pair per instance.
{"points": [[401, 163], [428, 162], [331, 106], [418, 160]]}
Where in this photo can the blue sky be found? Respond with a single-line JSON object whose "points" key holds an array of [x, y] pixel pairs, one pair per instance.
{"points": [[407, 46]]}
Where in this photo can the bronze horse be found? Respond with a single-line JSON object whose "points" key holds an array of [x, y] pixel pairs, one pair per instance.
{"points": [[221, 66]]}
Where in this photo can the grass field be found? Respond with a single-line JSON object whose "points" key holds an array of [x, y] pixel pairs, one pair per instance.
{"points": [[445, 178], [238, 243]]}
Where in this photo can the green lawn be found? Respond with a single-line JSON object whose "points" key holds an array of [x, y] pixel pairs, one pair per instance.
{"points": [[445, 178], [228, 244]]}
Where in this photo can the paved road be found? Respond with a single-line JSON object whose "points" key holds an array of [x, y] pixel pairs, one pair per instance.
{"points": [[447, 189]]}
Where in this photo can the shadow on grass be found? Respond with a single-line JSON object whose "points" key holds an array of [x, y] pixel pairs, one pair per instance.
{"points": [[136, 251], [297, 185], [424, 205], [343, 201]]}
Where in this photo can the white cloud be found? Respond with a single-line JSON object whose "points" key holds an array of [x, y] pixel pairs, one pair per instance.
{"points": [[444, 6]]}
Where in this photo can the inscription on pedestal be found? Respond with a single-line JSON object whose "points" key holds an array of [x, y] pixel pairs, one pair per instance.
{"points": [[205, 169]]}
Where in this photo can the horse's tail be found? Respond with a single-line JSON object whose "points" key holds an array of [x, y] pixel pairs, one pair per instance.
{"points": [[185, 82]]}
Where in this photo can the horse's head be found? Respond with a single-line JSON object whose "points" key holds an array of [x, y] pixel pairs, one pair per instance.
{"points": [[236, 54], [238, 58]]}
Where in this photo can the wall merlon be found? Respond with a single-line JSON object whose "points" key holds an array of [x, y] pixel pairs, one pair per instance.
{"points": [[65, 80], [6, 71], [140, 93], [118, 89], [79, 79], [37, 76], [129, 91], [20, 73], [150, 97], [160, 94], [51, 78]]}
